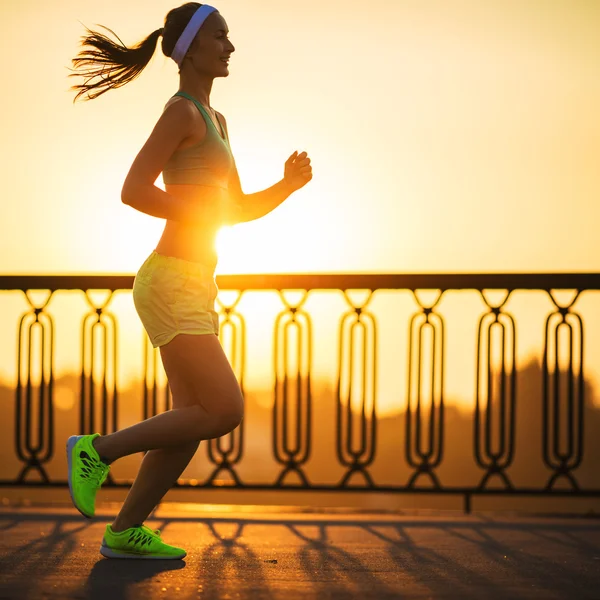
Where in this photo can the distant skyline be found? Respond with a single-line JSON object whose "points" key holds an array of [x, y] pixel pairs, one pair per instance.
{"points": [[390, 467]]}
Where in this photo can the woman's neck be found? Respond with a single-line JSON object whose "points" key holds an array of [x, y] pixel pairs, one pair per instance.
{"points": [[197, 87]]}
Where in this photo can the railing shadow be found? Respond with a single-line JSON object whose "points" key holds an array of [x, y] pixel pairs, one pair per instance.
{"points": [[339, 557]]}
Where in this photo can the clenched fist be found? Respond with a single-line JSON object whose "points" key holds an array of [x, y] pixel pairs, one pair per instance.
{"points": [[298, 171]]}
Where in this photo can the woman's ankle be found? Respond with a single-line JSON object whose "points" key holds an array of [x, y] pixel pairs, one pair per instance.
{"points": [[98, 445], [118, 526]]}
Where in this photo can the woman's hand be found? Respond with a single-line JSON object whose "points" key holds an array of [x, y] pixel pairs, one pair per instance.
{"points": [[298, 171]]}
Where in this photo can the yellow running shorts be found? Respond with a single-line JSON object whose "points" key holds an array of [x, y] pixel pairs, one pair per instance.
{"points": [[172, 296]]}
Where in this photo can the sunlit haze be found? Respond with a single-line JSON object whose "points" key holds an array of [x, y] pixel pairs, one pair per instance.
{"points": [[444, 136]]}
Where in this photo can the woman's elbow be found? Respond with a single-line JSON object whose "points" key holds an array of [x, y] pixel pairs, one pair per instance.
{"points": [[129, 192], [124, 196]]}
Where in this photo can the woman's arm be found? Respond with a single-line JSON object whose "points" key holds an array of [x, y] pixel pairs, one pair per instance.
{"points": [[139, 191], [257, 205]]}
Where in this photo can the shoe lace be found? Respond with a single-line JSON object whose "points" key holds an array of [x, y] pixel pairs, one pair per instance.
{"points": [[100, 474], [153, 531]]}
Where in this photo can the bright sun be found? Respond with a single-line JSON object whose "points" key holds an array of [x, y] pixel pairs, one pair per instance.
{"points": [[261, 246], [256, 248]]}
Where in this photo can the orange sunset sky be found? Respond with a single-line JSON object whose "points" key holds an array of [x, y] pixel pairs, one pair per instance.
{"points": [[445, 136]]}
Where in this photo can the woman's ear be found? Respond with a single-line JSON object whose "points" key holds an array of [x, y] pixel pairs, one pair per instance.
{"points": [[193, 46]]}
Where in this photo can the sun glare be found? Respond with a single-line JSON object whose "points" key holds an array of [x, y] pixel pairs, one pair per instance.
{"points": [[264, 247]]}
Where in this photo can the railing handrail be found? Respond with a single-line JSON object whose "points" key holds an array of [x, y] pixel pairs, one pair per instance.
{"points": [[328, 281]]}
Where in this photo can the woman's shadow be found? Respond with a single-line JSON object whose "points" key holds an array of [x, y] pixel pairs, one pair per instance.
{"points": [[114, 578]]}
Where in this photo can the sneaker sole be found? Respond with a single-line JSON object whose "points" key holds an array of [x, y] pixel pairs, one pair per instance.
{"points": [[109, 553], [70, 446]]}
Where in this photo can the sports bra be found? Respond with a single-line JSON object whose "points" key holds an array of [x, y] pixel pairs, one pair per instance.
{"points": [[209, 162]]}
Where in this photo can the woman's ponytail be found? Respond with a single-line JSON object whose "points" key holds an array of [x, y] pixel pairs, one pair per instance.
{"points": [[106, 65]]}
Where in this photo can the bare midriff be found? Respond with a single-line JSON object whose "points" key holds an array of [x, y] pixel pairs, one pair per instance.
{"points": [[195, 242]]}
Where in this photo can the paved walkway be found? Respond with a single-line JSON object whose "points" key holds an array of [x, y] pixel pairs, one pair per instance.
{"points": [[264, 552]]}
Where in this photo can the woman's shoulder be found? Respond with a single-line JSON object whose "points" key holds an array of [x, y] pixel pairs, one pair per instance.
{"points": [[172, 101], [186, 108]]}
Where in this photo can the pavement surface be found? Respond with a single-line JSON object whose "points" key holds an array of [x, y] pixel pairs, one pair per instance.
{"points": [[286, 553]]}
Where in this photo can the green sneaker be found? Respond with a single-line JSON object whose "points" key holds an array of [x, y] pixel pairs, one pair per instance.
{"points": [[137, 542], [86, 472]]}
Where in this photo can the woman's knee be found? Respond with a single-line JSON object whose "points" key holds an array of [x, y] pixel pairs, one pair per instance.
{"points": [[231, 413], [218, 419]]}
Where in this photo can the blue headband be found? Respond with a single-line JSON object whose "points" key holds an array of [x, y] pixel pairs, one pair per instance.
{"points": [[189, 33]]}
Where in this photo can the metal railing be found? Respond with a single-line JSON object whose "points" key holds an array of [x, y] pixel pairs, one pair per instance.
{"points": [[562, 419]]}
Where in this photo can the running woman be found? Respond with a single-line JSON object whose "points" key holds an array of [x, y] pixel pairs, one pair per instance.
{"points": [[175, 289]]}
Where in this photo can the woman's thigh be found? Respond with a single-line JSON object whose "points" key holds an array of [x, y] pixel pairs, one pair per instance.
{"points": [[199, 373]]}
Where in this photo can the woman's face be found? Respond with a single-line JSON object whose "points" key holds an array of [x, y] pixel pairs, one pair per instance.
{"points": [[211, 47]]}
